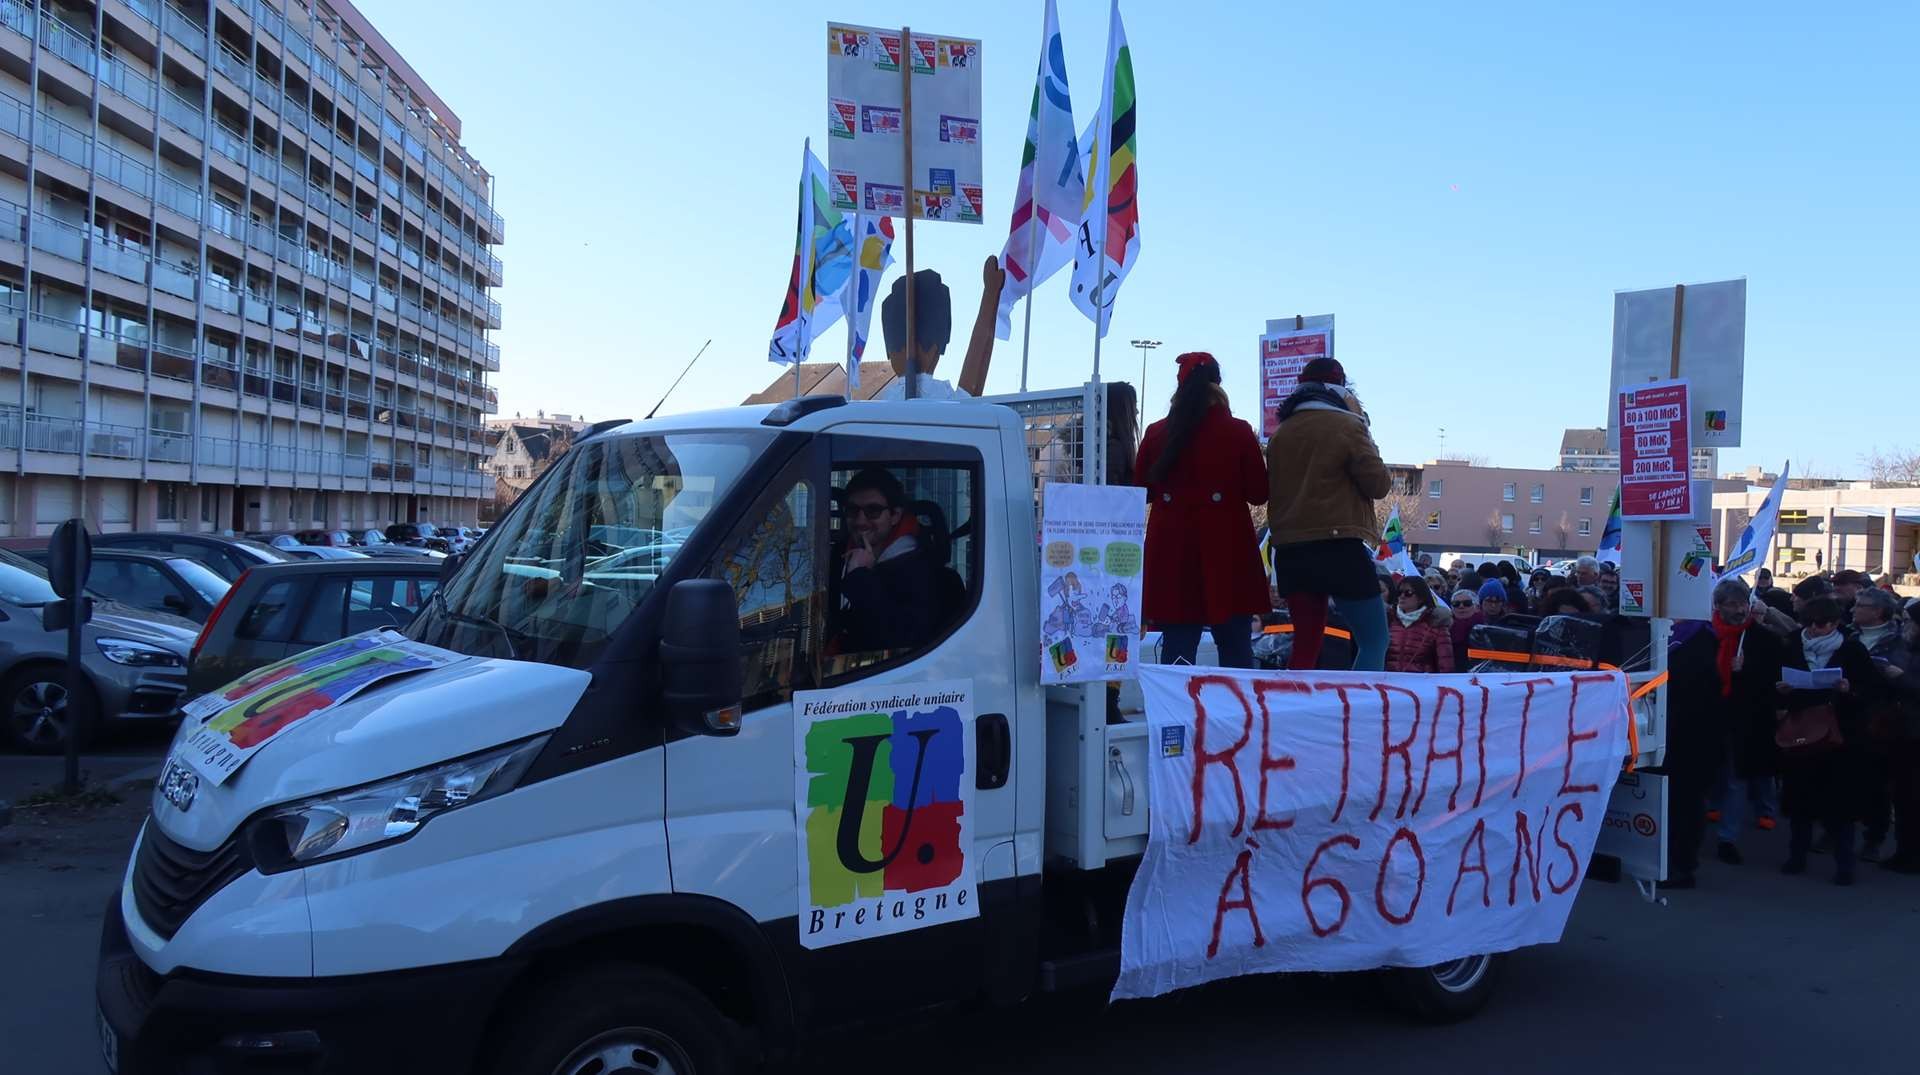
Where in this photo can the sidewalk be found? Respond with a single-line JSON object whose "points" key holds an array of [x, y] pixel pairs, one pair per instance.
{"points": [[22, 775]]}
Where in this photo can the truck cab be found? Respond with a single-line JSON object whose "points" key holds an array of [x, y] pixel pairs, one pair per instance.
{"points": [[577, 842]]}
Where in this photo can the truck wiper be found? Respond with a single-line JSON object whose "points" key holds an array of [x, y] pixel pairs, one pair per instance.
{"points": [[513, 652]]}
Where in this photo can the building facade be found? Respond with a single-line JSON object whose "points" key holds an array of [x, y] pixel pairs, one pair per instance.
{"points": [[1453, 506], [1586, 450], [1859, 526], [245, 272]]}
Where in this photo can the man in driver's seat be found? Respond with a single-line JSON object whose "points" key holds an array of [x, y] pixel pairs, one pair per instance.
{"points": [[886, 577]]}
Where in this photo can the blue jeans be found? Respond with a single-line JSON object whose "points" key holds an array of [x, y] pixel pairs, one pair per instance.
{"points": [[1367, 620], [1735, 795], [1233, 638]]}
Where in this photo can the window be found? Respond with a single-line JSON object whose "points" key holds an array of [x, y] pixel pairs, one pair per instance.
{"points": [[1506, 521], [904, 566], [206, 504], [773, 571], [1437, 488], [1538, 494], [166, 497], [1538, 524], [1433, 520], [1586, 494], [1793, 517], [270, 619], [141, 585], [1509, 493], [1586, 527]]}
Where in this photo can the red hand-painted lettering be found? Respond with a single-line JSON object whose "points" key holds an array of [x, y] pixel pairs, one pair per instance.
{"points": [[1433, 755], [1526, 715], [1476, 838], [1419, 885], [1308, 882], [1486, 700], [1270, 762], [1567, 787], [1202, 757], [1573, 858], [1242, 868], [1346, 737], [1388, 748], [1532, 847]]}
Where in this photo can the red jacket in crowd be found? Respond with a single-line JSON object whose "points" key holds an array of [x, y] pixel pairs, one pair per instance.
{"points": [[1425, 647], [1203, 557]]}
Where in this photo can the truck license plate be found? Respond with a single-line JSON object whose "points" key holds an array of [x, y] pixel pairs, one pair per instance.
{"points": [[109, 1043]]}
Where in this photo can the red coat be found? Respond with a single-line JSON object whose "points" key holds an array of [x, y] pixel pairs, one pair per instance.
{"points": [[1425, 647], [1203, 557]]}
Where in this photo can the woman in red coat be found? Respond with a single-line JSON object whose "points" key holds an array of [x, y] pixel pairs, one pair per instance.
{"points": [[1202, 467]]}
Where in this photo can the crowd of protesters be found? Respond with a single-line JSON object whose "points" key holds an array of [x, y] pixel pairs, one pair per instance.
{"points": [[1802, 704]]}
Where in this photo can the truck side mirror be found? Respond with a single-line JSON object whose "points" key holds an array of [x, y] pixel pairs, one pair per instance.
{"points": [[700, 657]]}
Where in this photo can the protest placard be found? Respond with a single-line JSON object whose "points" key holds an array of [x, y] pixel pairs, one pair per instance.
{"points": [[1285, 350], [867, 119], [1092, 544], [1656, 460], [1341, 821]]}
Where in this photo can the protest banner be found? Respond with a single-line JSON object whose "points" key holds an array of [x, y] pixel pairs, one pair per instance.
{"points": [[1091, 542], [247, 714], [1342, 821], [1656, 468], [1285, 349], [868, 116], [883, 796]]}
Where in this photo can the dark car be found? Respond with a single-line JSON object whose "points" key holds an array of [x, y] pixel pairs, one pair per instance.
{"points": [[418, 535], [278, 610], [228, 557], [135, 663], [152, 581], [338, 539]]}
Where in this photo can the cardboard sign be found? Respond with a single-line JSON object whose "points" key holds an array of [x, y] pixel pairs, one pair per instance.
{"points": [[1656, 468], [1284, 352], [247, 714], [1713, 351], [1092, 548], [1341, 821], [866, 122], [883, 796]]}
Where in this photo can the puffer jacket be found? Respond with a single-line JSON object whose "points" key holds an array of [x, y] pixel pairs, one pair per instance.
{"points": [[1323, 471], [1427, 646]]}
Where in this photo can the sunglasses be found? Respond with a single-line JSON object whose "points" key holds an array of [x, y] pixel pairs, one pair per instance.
{"points": [[1463, 604], [869, 511]]}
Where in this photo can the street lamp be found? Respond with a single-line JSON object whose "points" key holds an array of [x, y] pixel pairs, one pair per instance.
{"points": [[1144, 346]]}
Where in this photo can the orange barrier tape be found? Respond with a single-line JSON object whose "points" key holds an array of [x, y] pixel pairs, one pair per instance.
{"points": [[1648, 687], [1287, 629]]}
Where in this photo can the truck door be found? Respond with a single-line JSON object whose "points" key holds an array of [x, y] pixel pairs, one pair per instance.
{"points": [[730, 801]]}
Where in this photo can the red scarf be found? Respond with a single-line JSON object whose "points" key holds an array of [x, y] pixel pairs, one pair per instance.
{"points": [[1729, 638]]}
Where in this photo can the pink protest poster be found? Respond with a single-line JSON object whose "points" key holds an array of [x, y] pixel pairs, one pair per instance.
{"points": [[1283, 354], [1656, 476]]}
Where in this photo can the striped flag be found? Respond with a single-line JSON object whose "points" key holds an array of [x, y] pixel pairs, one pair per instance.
{"points": [[1052, 188], [1756, 541], [822, 262], [1108, 242], [1393, 547], [1609, 552]]}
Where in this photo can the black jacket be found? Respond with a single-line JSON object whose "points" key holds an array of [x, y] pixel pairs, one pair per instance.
{"points": [[889, 606], [1705, 725]]}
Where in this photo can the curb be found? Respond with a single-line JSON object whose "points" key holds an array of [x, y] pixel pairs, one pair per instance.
{"points": [[145, 772]]}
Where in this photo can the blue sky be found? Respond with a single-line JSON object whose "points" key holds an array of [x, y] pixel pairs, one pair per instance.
{"points": [[1464, 186]]}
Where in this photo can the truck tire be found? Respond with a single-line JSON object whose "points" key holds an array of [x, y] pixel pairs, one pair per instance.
{"points": [[619, 1019], [1446, 992]]}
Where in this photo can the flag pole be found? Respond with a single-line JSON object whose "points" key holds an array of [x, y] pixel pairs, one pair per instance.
{"points": [[848, 300], [1033, 205], [906, 142]]}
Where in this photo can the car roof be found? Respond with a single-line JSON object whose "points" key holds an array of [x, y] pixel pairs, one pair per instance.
{"points": [[111, 553], [371, 565]]}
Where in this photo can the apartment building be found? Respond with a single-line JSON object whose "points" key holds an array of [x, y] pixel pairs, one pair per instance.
{"points": [[1586, 450], [245, 272], [1456, 506]]}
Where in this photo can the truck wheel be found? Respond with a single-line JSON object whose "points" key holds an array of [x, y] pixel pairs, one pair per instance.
{"points": [[620, 1021], [35, 713], [1445, 992]]}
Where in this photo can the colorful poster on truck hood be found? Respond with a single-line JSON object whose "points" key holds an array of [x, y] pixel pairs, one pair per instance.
{"points": [[245, 715], [1341, 821], [1285, 350], [1092, 538], [866, 120], [883, 804]]}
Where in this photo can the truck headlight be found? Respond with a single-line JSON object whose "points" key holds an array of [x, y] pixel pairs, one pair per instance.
{"points": [[358, 819], [127, 651]]}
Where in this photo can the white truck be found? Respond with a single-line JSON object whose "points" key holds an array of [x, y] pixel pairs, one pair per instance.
{"points": [[573, 849]]}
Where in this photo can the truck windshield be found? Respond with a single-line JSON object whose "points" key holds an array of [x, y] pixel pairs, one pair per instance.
{"points": [[583, 547]]}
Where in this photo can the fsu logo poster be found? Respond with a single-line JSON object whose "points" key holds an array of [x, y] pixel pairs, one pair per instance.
{"points": [[883, 787]]}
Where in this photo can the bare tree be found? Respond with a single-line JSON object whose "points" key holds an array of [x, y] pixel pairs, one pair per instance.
{"points": [[1409, 505], [1896, 467], [1472, 459], [1494, 529], [1564, 528]]}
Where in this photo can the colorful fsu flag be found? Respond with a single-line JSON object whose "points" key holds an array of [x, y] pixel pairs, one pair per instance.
{"points": [[872, 255], [1052, 187], [1757, 539], [1393, 547], [822, 261], [1108, 241], [1609, 552]]}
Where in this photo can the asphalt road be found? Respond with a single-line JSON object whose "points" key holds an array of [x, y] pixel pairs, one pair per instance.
{"points": [[1752, 972]]}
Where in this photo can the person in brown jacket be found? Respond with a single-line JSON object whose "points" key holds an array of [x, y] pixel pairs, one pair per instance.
{"points": [[1324, 473], [1419, 638]]}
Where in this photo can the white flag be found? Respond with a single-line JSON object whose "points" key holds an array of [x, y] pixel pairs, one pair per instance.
{"points": [[1107, 242], [1757, 539], [1052, 187]]}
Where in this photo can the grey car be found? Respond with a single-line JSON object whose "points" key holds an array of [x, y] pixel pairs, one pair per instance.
{"points": [[135, 663]]}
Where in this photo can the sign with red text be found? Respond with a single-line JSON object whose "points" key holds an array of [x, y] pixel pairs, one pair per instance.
{"points": [[1285, 350], [867, 122], [1342, 821], [1656, 470]]}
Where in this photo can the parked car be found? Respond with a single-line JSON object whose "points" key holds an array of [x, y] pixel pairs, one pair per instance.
{"points": [[324, 552], [375, 543], [135, 663], [279, 610], [228, 557], [152, 581], [339, 539], [417, 535], [456, 538]]}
